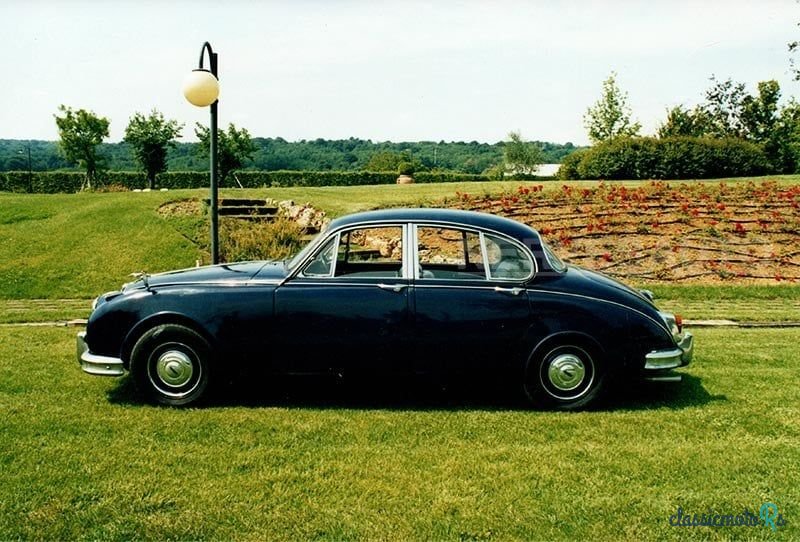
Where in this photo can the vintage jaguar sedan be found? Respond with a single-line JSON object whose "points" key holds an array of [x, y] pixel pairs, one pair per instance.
{"points": [[418, 291]]}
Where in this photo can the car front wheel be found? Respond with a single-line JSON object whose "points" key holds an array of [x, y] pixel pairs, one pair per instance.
{"points": [[170, 364], [564, 377]]}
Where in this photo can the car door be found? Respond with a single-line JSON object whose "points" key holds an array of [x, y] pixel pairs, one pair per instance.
{"points": [[347, 309], [471, 310]]}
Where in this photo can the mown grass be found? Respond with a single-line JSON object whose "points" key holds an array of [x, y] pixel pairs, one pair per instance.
{"points": [[83, 459]]}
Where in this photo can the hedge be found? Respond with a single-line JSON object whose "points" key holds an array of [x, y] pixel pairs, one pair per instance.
{"points": [[71, 181], [667, 158]]}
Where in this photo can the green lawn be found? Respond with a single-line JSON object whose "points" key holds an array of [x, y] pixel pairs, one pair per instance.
{"points": [[82, 459]]}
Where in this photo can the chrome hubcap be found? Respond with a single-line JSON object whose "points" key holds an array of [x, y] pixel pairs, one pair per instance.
{"points": [[566, 372], [174, 368]]}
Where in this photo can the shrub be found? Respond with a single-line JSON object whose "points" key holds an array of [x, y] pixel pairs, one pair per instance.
{"points": [[569, 166], [242, 241], [667, 158]]}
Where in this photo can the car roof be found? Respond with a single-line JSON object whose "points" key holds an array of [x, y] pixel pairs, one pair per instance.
{"points": [[486, 221]]}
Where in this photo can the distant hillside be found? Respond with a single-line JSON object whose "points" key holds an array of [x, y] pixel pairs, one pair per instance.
{"points": [[273, 154]]}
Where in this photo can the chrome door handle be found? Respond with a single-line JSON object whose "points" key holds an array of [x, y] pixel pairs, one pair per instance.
{"points": [[512, 291], [393, 287]]}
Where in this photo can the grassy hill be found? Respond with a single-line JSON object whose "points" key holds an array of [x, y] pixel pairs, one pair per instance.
{"points": [[79, 245]]}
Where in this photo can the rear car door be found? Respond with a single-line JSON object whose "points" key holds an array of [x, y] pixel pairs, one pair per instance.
{"points": [[471, 310]]}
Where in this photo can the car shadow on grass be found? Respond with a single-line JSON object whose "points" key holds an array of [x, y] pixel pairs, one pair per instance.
{"points": [[408, 393], [644, 395]]}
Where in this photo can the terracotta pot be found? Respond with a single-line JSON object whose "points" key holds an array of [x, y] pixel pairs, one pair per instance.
{"points": [[405, 179]]}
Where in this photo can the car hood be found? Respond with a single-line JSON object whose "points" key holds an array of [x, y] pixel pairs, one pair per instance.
{"points": [[233, 272]]}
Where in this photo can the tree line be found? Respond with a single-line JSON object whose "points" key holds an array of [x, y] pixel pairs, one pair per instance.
{"points": [[151, 145]]}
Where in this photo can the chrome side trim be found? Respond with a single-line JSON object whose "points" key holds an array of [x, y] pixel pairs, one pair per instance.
{"points": [[97, 365], [344, 282], [226, 283]]}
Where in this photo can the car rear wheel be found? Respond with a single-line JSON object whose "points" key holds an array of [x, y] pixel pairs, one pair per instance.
{"points": [[170, 364], [564, 377]]}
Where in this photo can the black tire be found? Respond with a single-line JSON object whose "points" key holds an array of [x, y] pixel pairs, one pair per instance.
{"points": [[170, 364], [564, 377]]}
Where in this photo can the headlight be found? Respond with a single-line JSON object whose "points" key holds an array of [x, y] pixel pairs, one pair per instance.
{"points": [[674, 324]]}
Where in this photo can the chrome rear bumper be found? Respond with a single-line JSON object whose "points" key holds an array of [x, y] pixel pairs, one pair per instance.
{"points": [[94, 364], [670, 359]]}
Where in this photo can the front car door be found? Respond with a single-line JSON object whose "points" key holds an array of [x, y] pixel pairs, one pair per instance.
{"points": [[347, 308], [470, 306]]}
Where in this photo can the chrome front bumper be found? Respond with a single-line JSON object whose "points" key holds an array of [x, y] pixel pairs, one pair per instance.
{"points": [[94, 364], [670, 359]]}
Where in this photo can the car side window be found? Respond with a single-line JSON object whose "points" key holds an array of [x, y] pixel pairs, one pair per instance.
{"points": [[322, 264], [449, 253], [370, 252], [506, 260]]}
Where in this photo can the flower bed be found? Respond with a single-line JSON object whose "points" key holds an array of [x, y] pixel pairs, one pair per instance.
{"points": [[702, 232]]}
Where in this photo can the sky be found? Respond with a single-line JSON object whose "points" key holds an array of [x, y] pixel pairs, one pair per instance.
{"points": [[384, 70]]}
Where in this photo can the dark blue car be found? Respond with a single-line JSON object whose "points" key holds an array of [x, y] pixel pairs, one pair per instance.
{"points": [[418, 291]]}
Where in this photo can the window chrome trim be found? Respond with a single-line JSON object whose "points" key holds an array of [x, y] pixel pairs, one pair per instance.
{"points": [[412, 236], [313, 255], [525, 250], [409, 251], [485, 254], [415, 251], [298, 272]]}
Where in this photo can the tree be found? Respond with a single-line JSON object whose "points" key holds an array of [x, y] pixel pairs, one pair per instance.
{"points": [[521, 156], [610, 116], [794, 46], [394, 161], [233, 148], [149, 138], [724, 107], [684, 122], [81, 132], [783, 147], [759, 117]]}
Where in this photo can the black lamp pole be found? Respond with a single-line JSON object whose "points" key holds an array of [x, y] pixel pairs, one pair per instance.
{"points": [[30, 168], [212, 59]]}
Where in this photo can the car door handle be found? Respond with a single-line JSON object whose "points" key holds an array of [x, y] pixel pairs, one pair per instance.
{"points": [[393, 287], [512, 291]]}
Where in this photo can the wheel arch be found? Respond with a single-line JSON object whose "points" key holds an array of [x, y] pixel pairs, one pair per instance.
{"points": [[143, 326], [575, 338]]}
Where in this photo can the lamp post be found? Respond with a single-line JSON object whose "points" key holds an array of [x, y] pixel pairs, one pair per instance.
{"points": [[201, 88], [30, 167]]}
